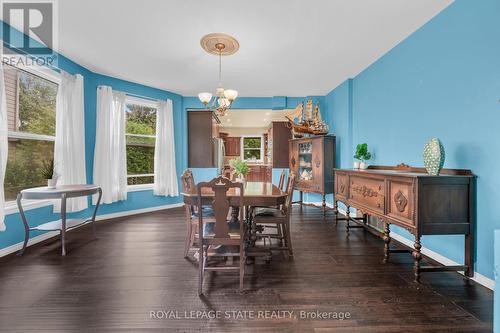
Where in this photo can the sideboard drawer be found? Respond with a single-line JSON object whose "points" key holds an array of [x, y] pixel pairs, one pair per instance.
{"points": [[368, 192], [401, 201]]}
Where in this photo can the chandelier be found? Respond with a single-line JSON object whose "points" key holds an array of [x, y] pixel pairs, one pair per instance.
{"points": [[220, 45]]}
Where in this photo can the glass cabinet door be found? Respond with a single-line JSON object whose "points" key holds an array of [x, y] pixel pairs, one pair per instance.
{"points": [[305, 161]]}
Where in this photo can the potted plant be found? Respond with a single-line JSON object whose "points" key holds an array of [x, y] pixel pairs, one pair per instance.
{"points": [[240, 168], [362, 155], [47, 171]]}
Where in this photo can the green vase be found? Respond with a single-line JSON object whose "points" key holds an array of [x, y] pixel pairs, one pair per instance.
{"points": [[434, 156]]}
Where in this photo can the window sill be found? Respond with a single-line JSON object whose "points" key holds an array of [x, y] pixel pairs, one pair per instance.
{"points": [[140, 187], [11, 206]]}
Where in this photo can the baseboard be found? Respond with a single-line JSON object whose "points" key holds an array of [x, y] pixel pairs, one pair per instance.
{"points": [[479, 278], [34, 240], [40, 238], [137, 211]]}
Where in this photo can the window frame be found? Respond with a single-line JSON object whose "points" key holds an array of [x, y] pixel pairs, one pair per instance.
{"points": [[10, 207], [150, 103], [242, 149]]}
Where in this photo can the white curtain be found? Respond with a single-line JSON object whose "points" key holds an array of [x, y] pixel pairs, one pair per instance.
{"points": [[110, 160], [3, 145], [69, 148], [165, 182]]}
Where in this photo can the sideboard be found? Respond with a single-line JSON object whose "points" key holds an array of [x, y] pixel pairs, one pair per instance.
{"points": [[410, 198]]}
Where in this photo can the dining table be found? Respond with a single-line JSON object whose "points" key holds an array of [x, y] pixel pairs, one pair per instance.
{"points": [[262, 194]]}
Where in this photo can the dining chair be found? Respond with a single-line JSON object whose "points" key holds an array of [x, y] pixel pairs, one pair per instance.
{"points": [[188, 186], [221, 237], [279, 217], [282, 179], [191, 212]]}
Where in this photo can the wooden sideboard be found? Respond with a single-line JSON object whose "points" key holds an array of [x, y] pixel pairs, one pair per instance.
{"points": [[410, 198], [312, 159]]}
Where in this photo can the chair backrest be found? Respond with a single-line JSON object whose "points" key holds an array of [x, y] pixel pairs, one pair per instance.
{"points": [[282, 180], [187, 182], [290, 184], [221, 204]]}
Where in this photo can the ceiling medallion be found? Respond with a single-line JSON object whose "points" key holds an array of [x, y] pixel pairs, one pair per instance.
{"points": [[221, 45]]}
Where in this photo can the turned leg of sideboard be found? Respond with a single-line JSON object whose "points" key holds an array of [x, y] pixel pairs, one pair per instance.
{"points": [[301, 199], [348, 218], [324, 205], [387, 241], [417, 256]]}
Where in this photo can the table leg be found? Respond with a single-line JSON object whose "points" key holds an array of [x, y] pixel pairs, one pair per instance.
{"points": [[63, 224], [95, 213], [25, 223]]}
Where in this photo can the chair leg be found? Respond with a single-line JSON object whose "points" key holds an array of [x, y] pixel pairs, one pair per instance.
{"points": [[288, 238], [280, 233], [201, 268], [188, 242], [242, 266]]}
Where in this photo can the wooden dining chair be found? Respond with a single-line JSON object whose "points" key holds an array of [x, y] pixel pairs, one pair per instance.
{"points": [[282, 179], [278, 217], [191, 213], [221, 238]]}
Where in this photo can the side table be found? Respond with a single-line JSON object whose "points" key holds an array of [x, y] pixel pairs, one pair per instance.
{"points": [[62, 192]]}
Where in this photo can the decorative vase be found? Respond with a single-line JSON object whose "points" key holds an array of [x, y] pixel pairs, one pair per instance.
{"points": [[363, 165], [434, 156], [51, 183], [356, 165], [241, 179]]}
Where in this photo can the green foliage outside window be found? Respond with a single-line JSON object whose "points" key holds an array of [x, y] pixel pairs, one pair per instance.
{"points": [[37, 115], [251, 148], [141, 120]]}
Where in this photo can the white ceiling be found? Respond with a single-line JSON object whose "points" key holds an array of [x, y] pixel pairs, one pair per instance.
{"points": [[287, 47], [252, 118]]}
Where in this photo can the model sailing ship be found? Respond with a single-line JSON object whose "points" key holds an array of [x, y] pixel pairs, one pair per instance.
{"points": [[308, 123]]}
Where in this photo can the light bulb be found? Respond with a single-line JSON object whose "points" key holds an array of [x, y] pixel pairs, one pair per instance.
{"points": [[230, 94], [205, 97]]}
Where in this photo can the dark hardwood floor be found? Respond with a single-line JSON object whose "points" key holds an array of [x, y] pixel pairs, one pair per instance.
{"points": [[136, 266]]}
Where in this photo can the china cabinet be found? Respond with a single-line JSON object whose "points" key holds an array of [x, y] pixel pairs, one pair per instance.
{"points": [[312, 159]]}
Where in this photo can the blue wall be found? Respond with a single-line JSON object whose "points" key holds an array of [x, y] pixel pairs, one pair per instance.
{"points": [[443, 81], [136, 200]]}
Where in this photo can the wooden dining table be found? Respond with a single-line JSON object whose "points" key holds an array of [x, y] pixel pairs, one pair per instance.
{"points": [[254, 194]]}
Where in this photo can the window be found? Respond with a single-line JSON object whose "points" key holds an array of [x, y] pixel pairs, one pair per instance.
{"points": [[252, 148], [31, 115], [141, 135]]}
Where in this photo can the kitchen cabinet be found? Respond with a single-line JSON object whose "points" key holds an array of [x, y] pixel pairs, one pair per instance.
{"points": [[232, 145], [278, 135], [202, 128], [259, 173]]}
